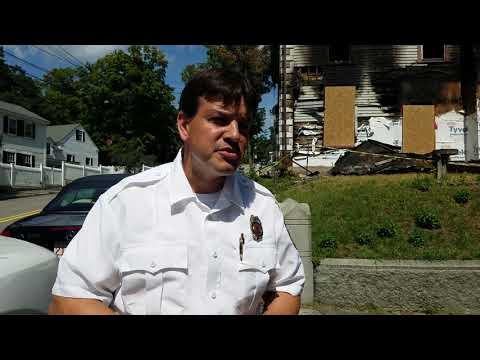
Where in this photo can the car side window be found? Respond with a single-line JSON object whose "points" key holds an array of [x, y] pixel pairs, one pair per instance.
{"points": [[67, 199]]}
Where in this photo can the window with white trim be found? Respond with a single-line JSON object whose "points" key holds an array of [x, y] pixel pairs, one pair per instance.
{"points": [[30, 130], [18, 127], [12, 126], [80, 135], [70, 158], [8, 157], [25, 160], [89, 161]]}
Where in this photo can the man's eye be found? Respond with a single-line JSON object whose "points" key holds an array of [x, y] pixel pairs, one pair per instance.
{"points": [[219, 120], [243, 127]]}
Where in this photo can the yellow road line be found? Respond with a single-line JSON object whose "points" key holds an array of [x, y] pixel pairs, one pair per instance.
{"points": [[19, 216]]}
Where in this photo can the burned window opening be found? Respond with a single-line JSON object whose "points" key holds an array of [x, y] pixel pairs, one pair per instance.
{"points": [[339, 53]]}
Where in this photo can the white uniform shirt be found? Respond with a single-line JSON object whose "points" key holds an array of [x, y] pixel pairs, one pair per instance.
{"points": [[149, 246]]}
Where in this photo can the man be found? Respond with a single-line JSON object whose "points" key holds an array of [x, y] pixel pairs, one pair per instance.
{"points": [[188, 237]]}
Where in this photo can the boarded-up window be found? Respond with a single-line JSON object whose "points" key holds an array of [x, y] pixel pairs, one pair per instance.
{"points": [[418, 132], [339, 127]]}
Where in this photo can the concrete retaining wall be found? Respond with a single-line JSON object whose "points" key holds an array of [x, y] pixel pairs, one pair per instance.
{"points": [[403, 284]]}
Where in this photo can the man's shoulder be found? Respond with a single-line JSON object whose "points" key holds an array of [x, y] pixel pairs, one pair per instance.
{"points": [[253, 186], [144, 179]]}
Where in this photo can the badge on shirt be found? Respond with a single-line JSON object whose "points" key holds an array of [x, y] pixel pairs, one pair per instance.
{"points": [[256, 228]]}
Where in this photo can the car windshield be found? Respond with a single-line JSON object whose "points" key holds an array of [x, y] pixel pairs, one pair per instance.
{"points": [[75, 199]]}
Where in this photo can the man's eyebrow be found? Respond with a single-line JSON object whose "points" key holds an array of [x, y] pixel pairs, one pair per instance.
{"points": [[220, 112]]}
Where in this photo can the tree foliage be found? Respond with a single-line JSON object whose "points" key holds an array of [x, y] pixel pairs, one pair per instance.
{"points": [[17, 87], [123, 102]]}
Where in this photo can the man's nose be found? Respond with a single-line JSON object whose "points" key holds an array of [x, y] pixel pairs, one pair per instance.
{"points": [[233, 132]]}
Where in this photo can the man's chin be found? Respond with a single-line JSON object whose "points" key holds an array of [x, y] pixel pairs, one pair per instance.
{"points": [[227, 168]]}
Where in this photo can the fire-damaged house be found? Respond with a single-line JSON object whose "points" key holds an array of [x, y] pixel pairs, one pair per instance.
{"points": [[418, 98]]}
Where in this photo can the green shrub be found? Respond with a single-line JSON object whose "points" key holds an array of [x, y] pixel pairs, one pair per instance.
{"points": [[416, 238], [462, 196], [328, 242], [387, 229], [427, 219], [422, 183], [364, 238]]}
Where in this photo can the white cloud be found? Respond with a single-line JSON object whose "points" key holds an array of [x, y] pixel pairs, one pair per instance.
{"points": [[84, 53], [91, 53], [22, 51]]}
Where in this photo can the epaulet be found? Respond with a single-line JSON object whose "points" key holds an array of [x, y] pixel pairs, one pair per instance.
{"points": [[145, 178]]}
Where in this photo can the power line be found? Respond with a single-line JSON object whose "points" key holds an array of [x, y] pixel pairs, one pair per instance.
{"points": [[36, 77], [25, 61], [73, 57], [62, 57], [51, 54]]}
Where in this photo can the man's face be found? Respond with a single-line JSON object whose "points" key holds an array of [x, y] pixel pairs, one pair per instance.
{"points": [[217, 136]]}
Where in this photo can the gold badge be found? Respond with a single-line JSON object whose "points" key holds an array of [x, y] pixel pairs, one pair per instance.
{"points": [[256, 228]]}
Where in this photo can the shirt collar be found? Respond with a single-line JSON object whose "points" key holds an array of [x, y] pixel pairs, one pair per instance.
{"points": [[180, 189]]}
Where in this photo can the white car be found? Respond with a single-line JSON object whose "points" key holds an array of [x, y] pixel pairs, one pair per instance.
{"points": [[27, 275]]}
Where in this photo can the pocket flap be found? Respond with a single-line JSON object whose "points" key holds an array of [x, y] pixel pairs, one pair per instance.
{"points": [[153, 258], [260, 258]]}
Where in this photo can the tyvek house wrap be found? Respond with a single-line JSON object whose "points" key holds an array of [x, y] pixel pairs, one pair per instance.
{"points": [[453, 130], [457, 131]]}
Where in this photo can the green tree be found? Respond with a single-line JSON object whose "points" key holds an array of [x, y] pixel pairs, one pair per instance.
{"points": [[261, 145], [18, 88], [62, 96], [124, 103]]}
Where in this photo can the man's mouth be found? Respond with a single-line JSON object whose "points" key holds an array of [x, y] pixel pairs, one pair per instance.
{"points": [[229, 154]]}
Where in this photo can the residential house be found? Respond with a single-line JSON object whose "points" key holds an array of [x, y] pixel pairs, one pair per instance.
{"points": [[328, 93], [23, 136], [72, 144]]}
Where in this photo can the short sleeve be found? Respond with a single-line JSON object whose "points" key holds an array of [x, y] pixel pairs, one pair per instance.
{"points": [[289, 276], [87, 268]]}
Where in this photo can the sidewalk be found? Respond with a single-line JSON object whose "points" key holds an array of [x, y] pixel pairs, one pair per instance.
{"points": [[20, 193]]}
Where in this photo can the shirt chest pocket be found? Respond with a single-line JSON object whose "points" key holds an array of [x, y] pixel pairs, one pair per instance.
{"points": [[153, 279], [254, 274]]}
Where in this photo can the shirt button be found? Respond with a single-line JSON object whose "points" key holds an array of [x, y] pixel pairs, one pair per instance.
{"points": [[214, 295]]}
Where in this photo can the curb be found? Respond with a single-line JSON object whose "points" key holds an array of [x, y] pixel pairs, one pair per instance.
{"points": [[17, 196]]}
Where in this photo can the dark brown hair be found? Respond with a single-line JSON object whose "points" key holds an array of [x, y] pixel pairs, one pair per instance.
{"points": [[224, 85]]}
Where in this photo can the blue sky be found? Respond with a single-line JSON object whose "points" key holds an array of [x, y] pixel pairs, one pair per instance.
{"points": [[178, 57]]}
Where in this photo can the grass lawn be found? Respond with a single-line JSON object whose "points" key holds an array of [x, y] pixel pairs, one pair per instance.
{"points": [[406, 216]]}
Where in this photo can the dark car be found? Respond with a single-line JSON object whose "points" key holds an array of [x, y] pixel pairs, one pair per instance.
{"points": [[56, 225]]}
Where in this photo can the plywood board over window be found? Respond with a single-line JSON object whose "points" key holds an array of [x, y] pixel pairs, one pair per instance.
{"points": [[339, 127], [418, 132]]}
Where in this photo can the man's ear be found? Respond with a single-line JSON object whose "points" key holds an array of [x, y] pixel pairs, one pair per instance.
{"points": [[183, 126]]}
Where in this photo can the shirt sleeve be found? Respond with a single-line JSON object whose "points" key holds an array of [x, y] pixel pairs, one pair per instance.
{"points": [[87, 268], [289, 276]]}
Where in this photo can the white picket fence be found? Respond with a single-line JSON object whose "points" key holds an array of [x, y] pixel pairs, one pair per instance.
{"points": [[21, 176]]}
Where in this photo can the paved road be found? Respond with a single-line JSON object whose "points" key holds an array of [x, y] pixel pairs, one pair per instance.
{"points": [[13, 209]]}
